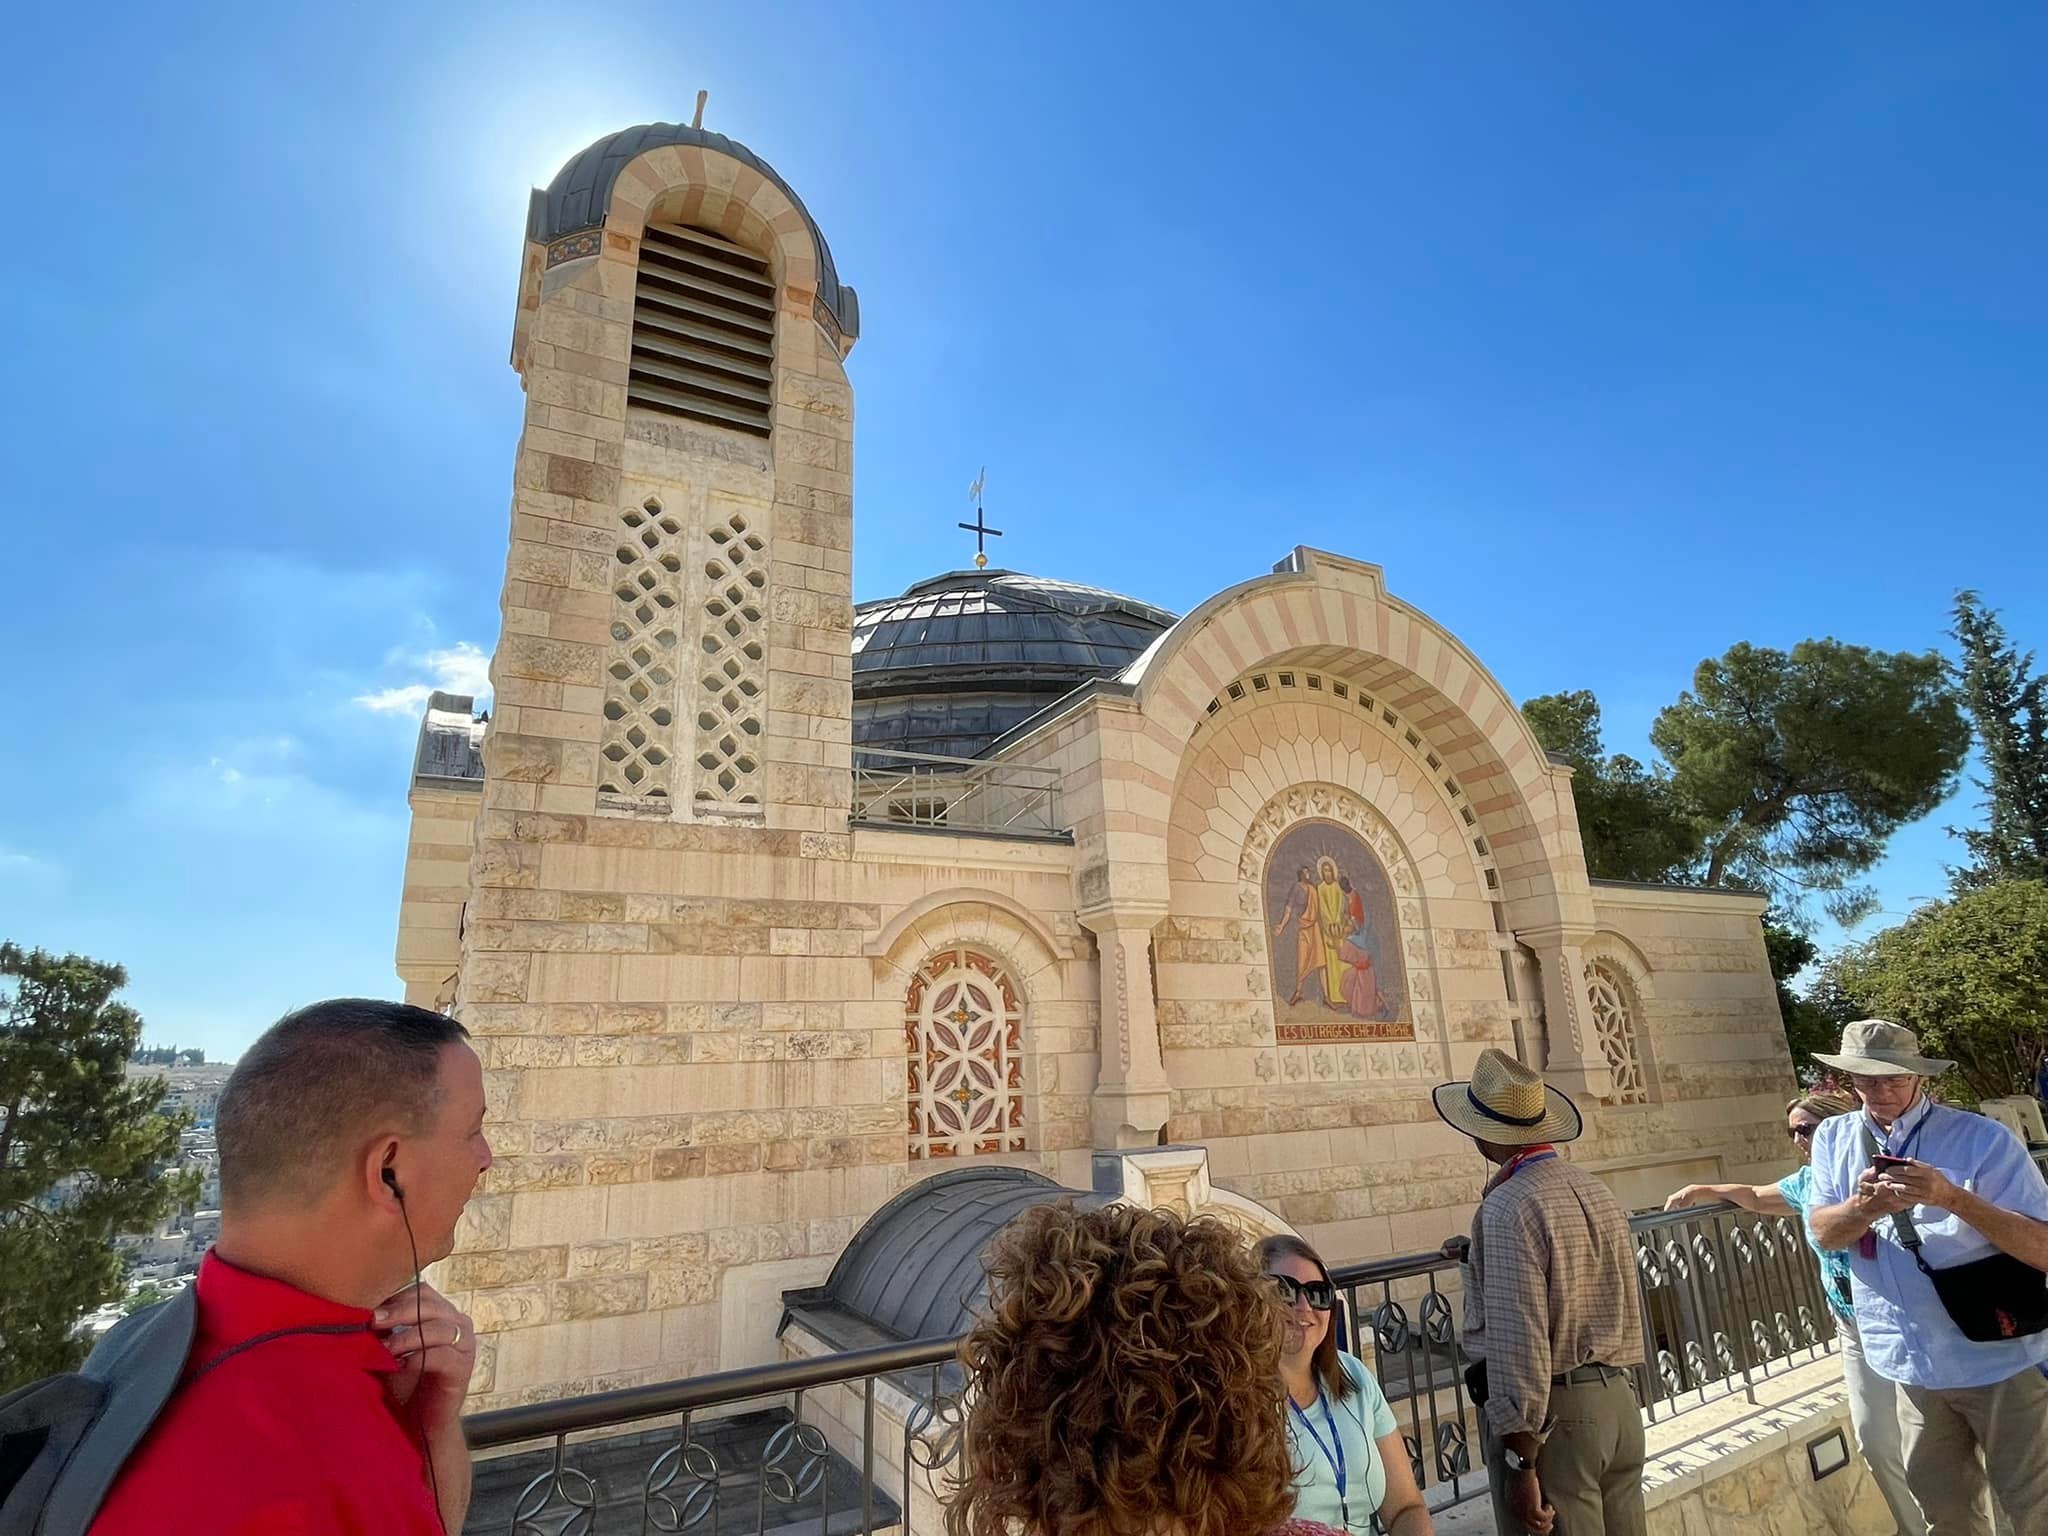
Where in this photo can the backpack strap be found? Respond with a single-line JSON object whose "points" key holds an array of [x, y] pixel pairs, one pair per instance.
{"points": [[137, 1367]]}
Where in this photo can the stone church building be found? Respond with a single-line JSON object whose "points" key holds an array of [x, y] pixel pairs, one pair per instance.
{"points": [[765, 907]]}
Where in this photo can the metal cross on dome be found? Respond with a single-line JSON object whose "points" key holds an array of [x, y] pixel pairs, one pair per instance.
{"points": [[979, 527]]}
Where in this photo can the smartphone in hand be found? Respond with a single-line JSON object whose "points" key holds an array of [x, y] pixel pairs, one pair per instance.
{"points": [[1883, 1163]]}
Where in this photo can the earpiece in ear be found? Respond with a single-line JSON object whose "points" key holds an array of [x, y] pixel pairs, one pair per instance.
{"points": [[391, 1182]]}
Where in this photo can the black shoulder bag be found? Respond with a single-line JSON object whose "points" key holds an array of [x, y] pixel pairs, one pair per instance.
{"points": [[1989, 1299]]}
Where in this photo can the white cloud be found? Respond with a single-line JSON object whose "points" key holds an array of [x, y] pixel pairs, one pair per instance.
{"points": [[460, 668], [18, 866]]}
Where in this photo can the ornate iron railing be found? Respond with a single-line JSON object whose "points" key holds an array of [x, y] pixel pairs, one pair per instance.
{"points": [[705, 1466], [1727, 1299], [955, 794]]}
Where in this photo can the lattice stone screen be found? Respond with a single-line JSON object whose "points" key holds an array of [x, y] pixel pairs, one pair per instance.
{"points": [[963, 1026], [731, 682], [637, 749], [1614, 1020]]}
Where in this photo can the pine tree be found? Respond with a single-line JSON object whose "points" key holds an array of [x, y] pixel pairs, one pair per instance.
{"points": [[83, 1152], [2008, 706]]}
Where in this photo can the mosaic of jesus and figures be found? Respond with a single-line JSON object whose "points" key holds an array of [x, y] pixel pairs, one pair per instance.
{"points": [[1334, 939]]}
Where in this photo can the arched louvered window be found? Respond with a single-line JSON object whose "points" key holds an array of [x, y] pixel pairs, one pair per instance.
{"points": [[703, 330]]}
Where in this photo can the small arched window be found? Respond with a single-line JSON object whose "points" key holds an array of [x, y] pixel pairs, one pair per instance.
{"points": [[703, 330], [963, 1033], [1615, 1026]]}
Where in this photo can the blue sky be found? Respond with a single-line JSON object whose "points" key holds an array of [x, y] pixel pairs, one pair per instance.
{"points": [[1617, 334]]}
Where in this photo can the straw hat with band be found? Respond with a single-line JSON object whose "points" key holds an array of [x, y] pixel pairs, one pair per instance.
{"points": [[1880, 1048], [1508, 1105]]}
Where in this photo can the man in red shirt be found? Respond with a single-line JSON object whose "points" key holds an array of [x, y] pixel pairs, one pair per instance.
{"points": [[323, 1394]]}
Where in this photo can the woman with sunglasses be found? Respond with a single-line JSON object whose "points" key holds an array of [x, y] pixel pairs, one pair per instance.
{"points": [[1873, 1401], [1349, 1460]]}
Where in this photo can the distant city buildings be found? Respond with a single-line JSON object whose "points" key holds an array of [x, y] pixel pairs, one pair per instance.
{"points": [[165, 1259]]}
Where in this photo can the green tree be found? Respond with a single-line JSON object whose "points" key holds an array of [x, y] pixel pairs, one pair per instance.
{"points": [[1813, 1021], [1630, 819], [144, 1296], [1803, 763], [2008, 705], [82, 1152], [1970, 975]]}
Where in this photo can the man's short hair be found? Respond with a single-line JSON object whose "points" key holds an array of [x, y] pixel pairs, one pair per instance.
{"points": [[319, 1080]]}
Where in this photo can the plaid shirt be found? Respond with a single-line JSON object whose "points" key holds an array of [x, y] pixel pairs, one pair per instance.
{"points": [[1552, 1288]]}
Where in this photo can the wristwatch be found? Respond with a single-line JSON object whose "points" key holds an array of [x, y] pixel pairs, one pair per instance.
{"points": [[1517, 1463]]}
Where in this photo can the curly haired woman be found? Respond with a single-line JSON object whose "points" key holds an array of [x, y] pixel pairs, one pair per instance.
{"points": [[1121, 1383]]}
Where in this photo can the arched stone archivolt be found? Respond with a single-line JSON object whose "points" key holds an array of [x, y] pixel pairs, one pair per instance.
{"points": [[1348, 739], [1618, 996], [972, 981], [1324, 612]]}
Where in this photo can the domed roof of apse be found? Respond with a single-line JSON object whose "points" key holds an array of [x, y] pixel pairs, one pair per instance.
{"points": [[581, 195], [960, 659], [915, 1270]]}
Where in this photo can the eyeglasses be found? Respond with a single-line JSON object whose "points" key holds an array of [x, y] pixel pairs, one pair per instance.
{"points": [[1801, 1132], [1319, 1294]]}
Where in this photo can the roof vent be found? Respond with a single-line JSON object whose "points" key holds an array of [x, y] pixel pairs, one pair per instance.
{"points": [[703, 330]]}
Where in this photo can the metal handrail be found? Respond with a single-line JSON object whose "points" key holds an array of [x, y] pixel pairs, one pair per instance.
{"points": [[628, 1405], [960, 794]]}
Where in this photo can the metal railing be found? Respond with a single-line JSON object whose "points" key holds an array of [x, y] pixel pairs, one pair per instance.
{"points": [[957, 794], [771, 1468], [1727, 1299]]}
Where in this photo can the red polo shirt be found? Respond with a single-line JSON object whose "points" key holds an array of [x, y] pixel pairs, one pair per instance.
{"points": [[293, 1437]]}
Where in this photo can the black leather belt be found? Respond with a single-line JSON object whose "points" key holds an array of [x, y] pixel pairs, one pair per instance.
{"points": [[1584, 1374]]}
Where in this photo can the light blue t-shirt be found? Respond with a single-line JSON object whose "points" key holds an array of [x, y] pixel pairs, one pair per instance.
{"points": [[1907, 1336], [1797, 1188], [1358, 1422]]}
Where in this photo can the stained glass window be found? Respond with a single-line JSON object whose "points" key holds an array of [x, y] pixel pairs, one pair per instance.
{"points": [[963, 1028]]}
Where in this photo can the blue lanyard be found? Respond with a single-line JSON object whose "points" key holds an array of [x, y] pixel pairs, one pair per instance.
{"points": [[1336, 1459]]}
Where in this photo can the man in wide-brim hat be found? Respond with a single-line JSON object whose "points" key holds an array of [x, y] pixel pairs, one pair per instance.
{"points": [[1974, 1415], [1551, 1312]]}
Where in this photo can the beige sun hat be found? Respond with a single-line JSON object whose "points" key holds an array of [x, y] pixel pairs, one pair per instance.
{"points": [[1507, 1104], [1880, 1048]]}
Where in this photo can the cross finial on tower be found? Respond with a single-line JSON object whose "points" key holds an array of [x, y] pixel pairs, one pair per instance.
{"points": [[979, 527]]}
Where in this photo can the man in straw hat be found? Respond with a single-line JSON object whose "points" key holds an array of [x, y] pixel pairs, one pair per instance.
{"points": [[1551, 1312], [1907, 1170]]}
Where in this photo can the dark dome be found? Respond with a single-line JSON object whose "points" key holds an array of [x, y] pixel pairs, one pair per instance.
{"points": [[915, 1270], [958, 660], [581, 194]]}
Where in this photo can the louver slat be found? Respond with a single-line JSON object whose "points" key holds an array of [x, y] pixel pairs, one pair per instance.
{"points": [[703, 331]]}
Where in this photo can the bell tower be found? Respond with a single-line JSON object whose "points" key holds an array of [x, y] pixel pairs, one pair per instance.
{"points": [[677, 599]]}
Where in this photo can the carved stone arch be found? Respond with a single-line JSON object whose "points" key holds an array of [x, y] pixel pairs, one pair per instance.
{"points": [[1619, 991], [968, 973], [700, 186], [1324, 610]]}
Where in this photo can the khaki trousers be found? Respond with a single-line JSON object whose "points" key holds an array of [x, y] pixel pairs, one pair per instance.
{"points": [[1591, 1464], [1963, 1444]]}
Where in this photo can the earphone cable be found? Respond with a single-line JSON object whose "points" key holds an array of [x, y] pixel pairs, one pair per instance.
{"points": [[420, 1329]]}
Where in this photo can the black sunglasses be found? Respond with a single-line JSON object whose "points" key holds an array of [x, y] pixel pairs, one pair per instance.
{"points": [[1319, 1294], [1801, 1132]]}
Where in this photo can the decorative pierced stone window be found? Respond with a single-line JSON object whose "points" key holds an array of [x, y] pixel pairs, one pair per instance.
{"points": [[963, 1027], [732, 680], [1614, 1024], [637, 749]]}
